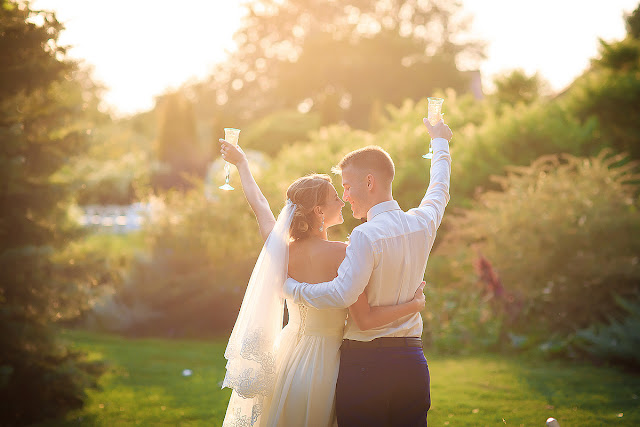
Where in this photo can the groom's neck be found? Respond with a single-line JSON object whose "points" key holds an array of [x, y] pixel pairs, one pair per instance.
{"points": [[385, 197], [380, 199]]}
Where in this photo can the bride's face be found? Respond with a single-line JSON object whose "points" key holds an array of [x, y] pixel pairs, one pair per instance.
{"points": [[332, 209]]}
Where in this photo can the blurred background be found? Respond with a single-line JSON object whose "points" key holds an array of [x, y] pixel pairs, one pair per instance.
{"points": [[112, 217]]}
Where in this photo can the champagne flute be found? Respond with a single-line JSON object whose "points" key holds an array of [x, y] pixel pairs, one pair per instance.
{"points": [[231, 135], [434, 115]]}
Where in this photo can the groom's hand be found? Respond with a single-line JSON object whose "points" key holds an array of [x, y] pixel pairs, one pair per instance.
{"points": [[439, 130]]}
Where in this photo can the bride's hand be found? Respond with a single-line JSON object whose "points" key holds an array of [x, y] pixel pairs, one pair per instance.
{"points": [[419, 298], [232, 153]]}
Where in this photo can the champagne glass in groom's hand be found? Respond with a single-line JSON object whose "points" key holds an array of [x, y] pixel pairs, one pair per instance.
{"points": [[434, 115]]}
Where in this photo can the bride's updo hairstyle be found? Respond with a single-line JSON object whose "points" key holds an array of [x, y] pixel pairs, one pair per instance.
{"points": [[307, 193]]}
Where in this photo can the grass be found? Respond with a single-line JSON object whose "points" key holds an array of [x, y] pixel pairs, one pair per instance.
{"points": [[144, 385]]}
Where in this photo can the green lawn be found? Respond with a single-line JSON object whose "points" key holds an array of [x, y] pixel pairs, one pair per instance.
{"points": [[144, 385]]}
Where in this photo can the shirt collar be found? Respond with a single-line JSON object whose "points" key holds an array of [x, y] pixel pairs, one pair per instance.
{"points": [[390, 205]]}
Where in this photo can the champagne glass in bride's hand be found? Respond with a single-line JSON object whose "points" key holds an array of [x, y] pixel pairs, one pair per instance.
{"points": [[231, 135], [434, 115]]}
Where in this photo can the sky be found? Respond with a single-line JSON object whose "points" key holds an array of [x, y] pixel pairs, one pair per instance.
{"points": [[159, 45]]}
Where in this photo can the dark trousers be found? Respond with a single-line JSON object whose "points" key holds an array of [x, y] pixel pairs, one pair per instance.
{"points": [[383, 387]]}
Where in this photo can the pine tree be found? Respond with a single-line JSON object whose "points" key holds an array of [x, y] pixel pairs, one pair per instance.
{"points": [[39, 134]]}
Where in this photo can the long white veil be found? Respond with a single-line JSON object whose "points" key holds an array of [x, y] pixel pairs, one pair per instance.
{"points": [[250, 354]]}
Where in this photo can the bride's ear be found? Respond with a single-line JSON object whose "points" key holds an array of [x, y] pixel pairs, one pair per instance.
{"points": [[318, 210]]}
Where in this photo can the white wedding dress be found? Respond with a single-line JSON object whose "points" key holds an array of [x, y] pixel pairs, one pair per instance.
{"points": [[307, 361], [281, 376], [308, 357]]}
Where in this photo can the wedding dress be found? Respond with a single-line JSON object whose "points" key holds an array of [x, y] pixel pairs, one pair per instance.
{"points": [[308, 358], [281, 376]]}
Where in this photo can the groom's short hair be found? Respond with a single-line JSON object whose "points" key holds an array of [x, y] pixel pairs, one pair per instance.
{"points": [[370, 159]]}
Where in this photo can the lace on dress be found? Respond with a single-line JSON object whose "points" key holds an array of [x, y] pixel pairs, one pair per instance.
{"points": [[303, 322]]}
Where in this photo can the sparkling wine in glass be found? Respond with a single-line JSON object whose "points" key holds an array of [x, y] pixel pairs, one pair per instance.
{"points": [[434, 115], [231, 135]]}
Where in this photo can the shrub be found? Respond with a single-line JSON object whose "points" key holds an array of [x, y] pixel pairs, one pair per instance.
{"points": [[458, 318], [612, 100], [192, 279], [562, 236], [618, 341], [277, 130]]}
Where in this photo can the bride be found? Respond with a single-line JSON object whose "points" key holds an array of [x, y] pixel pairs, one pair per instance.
{"points": [[287, 376]]}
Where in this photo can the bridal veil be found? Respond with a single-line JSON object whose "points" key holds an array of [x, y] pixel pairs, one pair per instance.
{"points": [[251, 352]]}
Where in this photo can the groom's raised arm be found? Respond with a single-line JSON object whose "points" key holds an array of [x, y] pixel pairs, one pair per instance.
{"points": [[435, 200], [353, 276]]}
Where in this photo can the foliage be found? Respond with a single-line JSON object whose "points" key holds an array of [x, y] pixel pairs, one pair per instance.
{"points": [[618, 341], [517, 87], [633, 23], [192, 279], [610, 98], [560, 229], [178, 150], [339, 57], [117, 165], [518, 136], [458, 319], [279, 129], [42, 104]]}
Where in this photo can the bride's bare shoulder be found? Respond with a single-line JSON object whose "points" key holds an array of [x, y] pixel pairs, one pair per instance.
{"points": [[337, 246], [336, 252]]}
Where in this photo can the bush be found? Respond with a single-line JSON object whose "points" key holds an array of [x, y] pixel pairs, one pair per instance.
{"points": [[118, 163], [619, 340], [612, 100], [277, 130], [562, 236], [192, 279], [458, 318]]}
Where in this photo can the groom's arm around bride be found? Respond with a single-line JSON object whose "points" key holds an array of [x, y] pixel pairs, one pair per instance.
{"points": [[361, 256], [383, 377]]}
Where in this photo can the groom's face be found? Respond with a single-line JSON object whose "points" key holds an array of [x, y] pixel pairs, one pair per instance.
{"points": [[354, 183]]}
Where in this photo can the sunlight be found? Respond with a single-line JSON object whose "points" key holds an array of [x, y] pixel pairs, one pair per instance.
{"points": [[556, 38], [140, 49]]}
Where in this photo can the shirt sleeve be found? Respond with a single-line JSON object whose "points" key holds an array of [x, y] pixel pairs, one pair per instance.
{"points": [[353, 276], [436, 199]]}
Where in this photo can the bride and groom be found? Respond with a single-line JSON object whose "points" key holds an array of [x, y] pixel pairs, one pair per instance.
{"points": [[351, 351]]}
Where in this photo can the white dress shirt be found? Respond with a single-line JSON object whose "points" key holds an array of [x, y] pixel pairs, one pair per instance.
{"points": [[386, 257]]}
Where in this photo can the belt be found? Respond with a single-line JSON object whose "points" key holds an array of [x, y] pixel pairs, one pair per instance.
{"points": [[384, 342]]}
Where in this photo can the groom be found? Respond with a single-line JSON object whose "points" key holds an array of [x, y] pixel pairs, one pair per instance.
{"points": [[384, 376]]}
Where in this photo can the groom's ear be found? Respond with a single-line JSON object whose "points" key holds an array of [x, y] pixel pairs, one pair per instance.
{"points": [[370, 181]]}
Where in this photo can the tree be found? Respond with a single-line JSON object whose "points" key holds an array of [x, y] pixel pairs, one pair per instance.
{"points": [[633, 23], [40, 106], [340, 57], [517, 87], [177, 146], [610, 91]]}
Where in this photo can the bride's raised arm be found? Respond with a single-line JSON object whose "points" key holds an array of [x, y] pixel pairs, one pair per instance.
{"points": [[259, 204]]}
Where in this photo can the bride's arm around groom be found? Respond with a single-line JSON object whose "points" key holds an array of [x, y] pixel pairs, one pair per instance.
{"points": [[362, 254]]}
